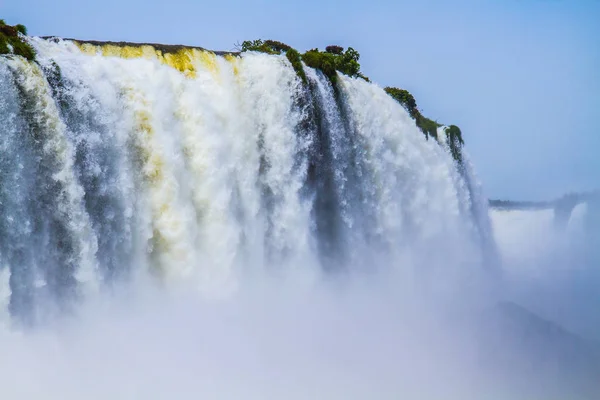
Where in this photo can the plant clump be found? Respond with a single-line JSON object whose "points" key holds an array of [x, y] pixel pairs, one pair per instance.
{"points": [[427, 126], [276, 48], [296, 60], [334, 59], [265, 46], [323, 61], [12, 42], [21, 29], [330, 61], [405, 98], [455, 141]]}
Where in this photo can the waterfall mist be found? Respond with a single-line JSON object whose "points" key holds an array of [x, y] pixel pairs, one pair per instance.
{"points": [[191, 224]]}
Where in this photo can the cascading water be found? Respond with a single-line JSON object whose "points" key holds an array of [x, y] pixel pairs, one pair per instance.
{"points": [[202, 169], [126, 170]]}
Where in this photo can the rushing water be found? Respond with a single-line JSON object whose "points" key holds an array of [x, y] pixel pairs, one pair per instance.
{"points": [[181, 224], [121, 162]]}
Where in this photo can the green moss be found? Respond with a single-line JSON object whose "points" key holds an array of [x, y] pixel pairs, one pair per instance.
{"points": [[405, 98], [453, 133], [21, 28], [3, 46], [361, 76], [296, 60], [11, 41], [322, 61], [427, 126], [455, 141]]}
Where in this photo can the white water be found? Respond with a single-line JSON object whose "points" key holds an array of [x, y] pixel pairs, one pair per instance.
{"points": [[228, 233], [210, 173]]}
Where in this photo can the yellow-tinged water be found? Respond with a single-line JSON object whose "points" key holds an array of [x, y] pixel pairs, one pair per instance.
{"points": [[186, 60], [235, 62]]}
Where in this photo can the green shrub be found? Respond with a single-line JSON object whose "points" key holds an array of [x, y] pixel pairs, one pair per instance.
{"points": [[427, 126], [360, 75], [454, 134], [21, 28], [24, 49], [321, 61], [296, 60], [405, 98], [275, 47], [265, 46], [3, 45], [455, 142], [255, 45], [333, 60], [12, 43], [347, 62]]}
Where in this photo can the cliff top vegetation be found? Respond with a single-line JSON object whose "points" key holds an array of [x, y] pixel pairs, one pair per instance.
{"points": [[12, 42]]}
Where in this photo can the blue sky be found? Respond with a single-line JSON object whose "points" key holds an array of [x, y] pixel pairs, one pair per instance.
{"points": [[520, 77]]}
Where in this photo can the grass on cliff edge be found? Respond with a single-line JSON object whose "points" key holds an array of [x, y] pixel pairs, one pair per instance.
{"points": [[11, 41]]}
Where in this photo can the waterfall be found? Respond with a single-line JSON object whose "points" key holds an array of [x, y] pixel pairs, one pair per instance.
{"points": [[198, 169], [177, 222]]}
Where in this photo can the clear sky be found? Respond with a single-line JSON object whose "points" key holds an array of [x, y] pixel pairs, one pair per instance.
{"points": [[520, 77]]}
